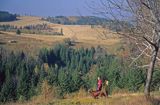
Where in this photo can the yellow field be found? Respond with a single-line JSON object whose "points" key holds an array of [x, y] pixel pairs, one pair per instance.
{"points": [[72, 31], [84, 35], [85, 32], [25, 20]]}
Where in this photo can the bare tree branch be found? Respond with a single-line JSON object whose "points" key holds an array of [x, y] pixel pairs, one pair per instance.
{"points": [[145, 32], [153, 44]]}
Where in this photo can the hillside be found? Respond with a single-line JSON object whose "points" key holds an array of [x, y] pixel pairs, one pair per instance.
{"points": [[6, 16], [109, 54], [62, 69], [76, 20], [24, 21], [80, 31], [88, 20], [84, 35]]}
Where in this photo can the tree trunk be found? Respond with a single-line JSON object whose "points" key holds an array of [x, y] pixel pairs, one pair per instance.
{"points": [[150, 72]]}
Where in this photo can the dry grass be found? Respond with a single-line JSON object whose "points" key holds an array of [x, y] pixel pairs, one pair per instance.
{"points": [[85, 32], [33, 43], [26, 44], [25, 20], [78, 31], [128, 99], [84, 35]]}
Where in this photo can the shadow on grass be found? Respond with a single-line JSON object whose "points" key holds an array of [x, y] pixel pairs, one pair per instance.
{"points": [[2, 43], [73, 43]]}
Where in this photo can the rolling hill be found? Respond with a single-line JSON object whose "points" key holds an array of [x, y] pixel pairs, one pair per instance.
{"points": [[84, 35], [6, 16]]}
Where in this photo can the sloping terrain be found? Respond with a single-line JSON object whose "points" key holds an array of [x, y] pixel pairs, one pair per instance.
{"points": [[25, 20], [84, 36]]}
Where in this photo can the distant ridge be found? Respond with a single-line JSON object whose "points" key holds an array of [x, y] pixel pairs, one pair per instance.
{"points": [[76, 20], [88, 20], [6, 16]]}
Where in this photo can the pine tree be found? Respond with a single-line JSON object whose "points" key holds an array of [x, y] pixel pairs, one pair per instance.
{"points": [[65, 81], [8, 92], [18, 32], [77, 80], [52, 76], [24, 83]]}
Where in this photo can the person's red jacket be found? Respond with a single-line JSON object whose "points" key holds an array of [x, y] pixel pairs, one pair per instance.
{"points": [[99, 85]]}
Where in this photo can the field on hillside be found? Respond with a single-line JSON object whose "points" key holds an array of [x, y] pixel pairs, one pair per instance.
{"points": [[33, 43], [83, 35], [72, 31], [24, 21]]}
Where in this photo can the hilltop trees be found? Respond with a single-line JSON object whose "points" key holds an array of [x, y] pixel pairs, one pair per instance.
{"points": [[5, 16], [77, 20]]}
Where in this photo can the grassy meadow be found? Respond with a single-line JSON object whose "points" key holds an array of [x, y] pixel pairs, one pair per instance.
{"points": [[84, 36]]}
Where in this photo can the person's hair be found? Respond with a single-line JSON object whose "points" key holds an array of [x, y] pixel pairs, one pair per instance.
{"points": [[105, 78]]}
